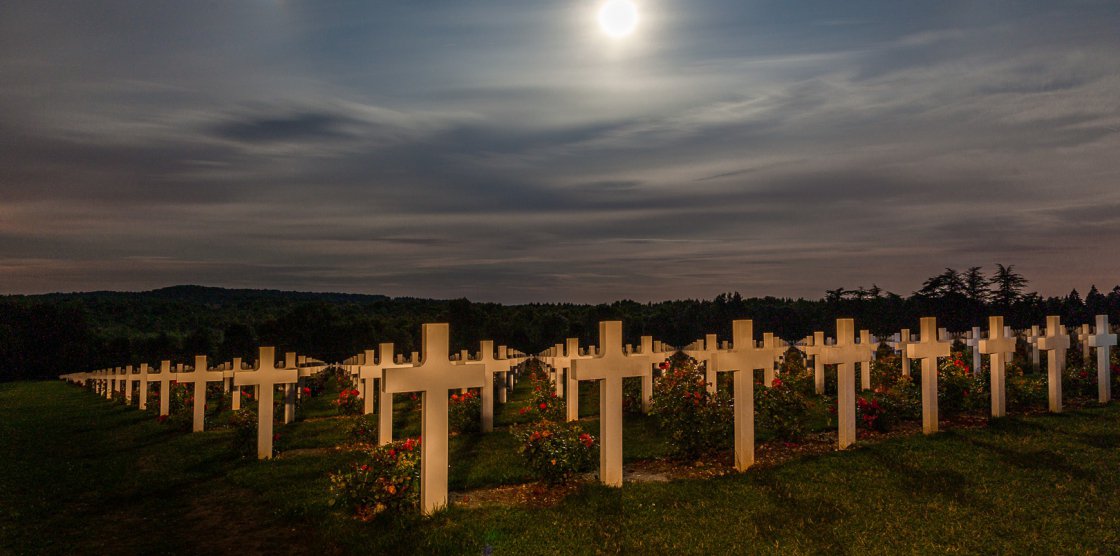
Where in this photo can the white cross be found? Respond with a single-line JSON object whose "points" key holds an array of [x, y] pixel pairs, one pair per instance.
{"points": [[973, 342], [143, 386], [705, 350], [200, 375], [568, 354], [1103, 340], [266, 376], [649, 360], [845, 354], [813, 346], [433, 378], [165, 379], [491, 366], [126, 379], [1033, 338], [235, 392], [771, 347], [505, 376], [373, 369], [1083, 338], [868, 348], [1000, 347], [1055, 343], [742, 360], [609, 368], [904, 340], [928, 350]]}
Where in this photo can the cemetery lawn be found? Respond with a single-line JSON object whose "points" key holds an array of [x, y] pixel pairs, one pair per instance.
{"points": [[81, 475]]}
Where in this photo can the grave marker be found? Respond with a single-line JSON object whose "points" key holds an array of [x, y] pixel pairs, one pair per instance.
{"points": [[742, 360], [928, 350], [1000, 347], [267, 376], [1103, 340], [608, 369], [1055, 343], [199, 375], [845, 354], [433, 378]]}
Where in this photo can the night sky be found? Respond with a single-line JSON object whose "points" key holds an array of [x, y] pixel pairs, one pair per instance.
{"points": [[513, 151]]}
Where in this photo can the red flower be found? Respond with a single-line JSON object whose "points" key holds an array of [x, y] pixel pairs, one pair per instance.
{"points": [[544, 405], [777, 382], [454, 397], [523, 410], [275, 437], [586, 440], [306, 391], [355, 393], [366, 467]]}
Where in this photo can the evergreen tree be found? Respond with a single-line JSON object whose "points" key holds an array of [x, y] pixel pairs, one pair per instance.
{"points": [[1008, 286]]}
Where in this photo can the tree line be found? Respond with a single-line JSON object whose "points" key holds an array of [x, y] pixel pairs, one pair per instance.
{"points": [[43, 336]]}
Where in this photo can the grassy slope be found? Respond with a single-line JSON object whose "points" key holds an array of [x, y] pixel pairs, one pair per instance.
{"points": [[80, 475]]}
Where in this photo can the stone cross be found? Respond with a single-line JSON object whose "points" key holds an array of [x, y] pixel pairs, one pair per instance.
{"points": [[649, 360], [143, 386], [1033, 338], [1102, 340], [705, 350], [235, 391], [491, 366], [769, 346], [814, 349], [1055, 343], [165, 387], [742, 360], [369, 371], [567, 355], [928, 350], [973, 342], [868, 348], [1083, 334], [433, 378], [845, 354], [128, 384], [266, 376], [506, 376], [609, 368], [114, 384], [1001, 348], [904, 340], [200, 375]]}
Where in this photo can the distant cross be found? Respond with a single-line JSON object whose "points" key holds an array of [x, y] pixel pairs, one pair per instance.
{"points": [[742, 360], [813, 347], [928, 350], [506, 375], [1000, 346], [235, 392], [567, 355], [433, 378], [845, 354], [1055, 343], [112, 383], [266, 376], [127, 375], [705, 350], [200, 375], [165, 379], [904, 340], [1083, 338], [608, 369], [491, 367], [770, 347], [1102, 339], [868, 348], [1033, 338], [649, 359], [973, 342], [291, 361], [143, 386]]}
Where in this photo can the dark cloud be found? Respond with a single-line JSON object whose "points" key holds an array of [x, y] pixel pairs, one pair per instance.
{"points": [[506, 151]]}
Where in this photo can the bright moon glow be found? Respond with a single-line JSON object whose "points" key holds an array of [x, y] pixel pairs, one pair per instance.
{"points": [[618, 18]]}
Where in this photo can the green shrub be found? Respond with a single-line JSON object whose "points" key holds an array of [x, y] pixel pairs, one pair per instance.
{"points": [[1027, 390], [244, 424], [544, 404], [554, 451], [958, 389], [781, 409], [695, 421], [364, 430], [349, 402], [1079, 381], [464, 412], [386, 479]]}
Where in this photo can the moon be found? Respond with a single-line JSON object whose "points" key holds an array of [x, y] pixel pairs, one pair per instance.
{"points": [[618, 18]]}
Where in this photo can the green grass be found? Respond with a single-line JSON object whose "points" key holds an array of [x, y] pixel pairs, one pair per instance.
{"points": [[81, 475]]}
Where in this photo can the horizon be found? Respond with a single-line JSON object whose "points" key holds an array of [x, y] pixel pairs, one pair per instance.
{"points": [[527, 152]]}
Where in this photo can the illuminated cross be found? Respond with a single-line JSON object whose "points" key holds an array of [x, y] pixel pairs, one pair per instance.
{"points": [[200, 375], [505, 377], [928, 350], [1055, 343], [904, 340], [564, 359], [1033, 338], [704, 351], [112, 374], [813, 347], [973, 342], [491, 366], [433, 378], [609, 368], [742, 360], [235, 391], [868, 348], [769, 347], [845, 354], [1102, 339], [165, 379], [1083, 338], [649, 359], [143, 386], [1001, 348], [266, 376]]}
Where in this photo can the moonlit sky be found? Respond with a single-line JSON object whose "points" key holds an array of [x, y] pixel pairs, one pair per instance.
{"points": [[511, 151]]}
